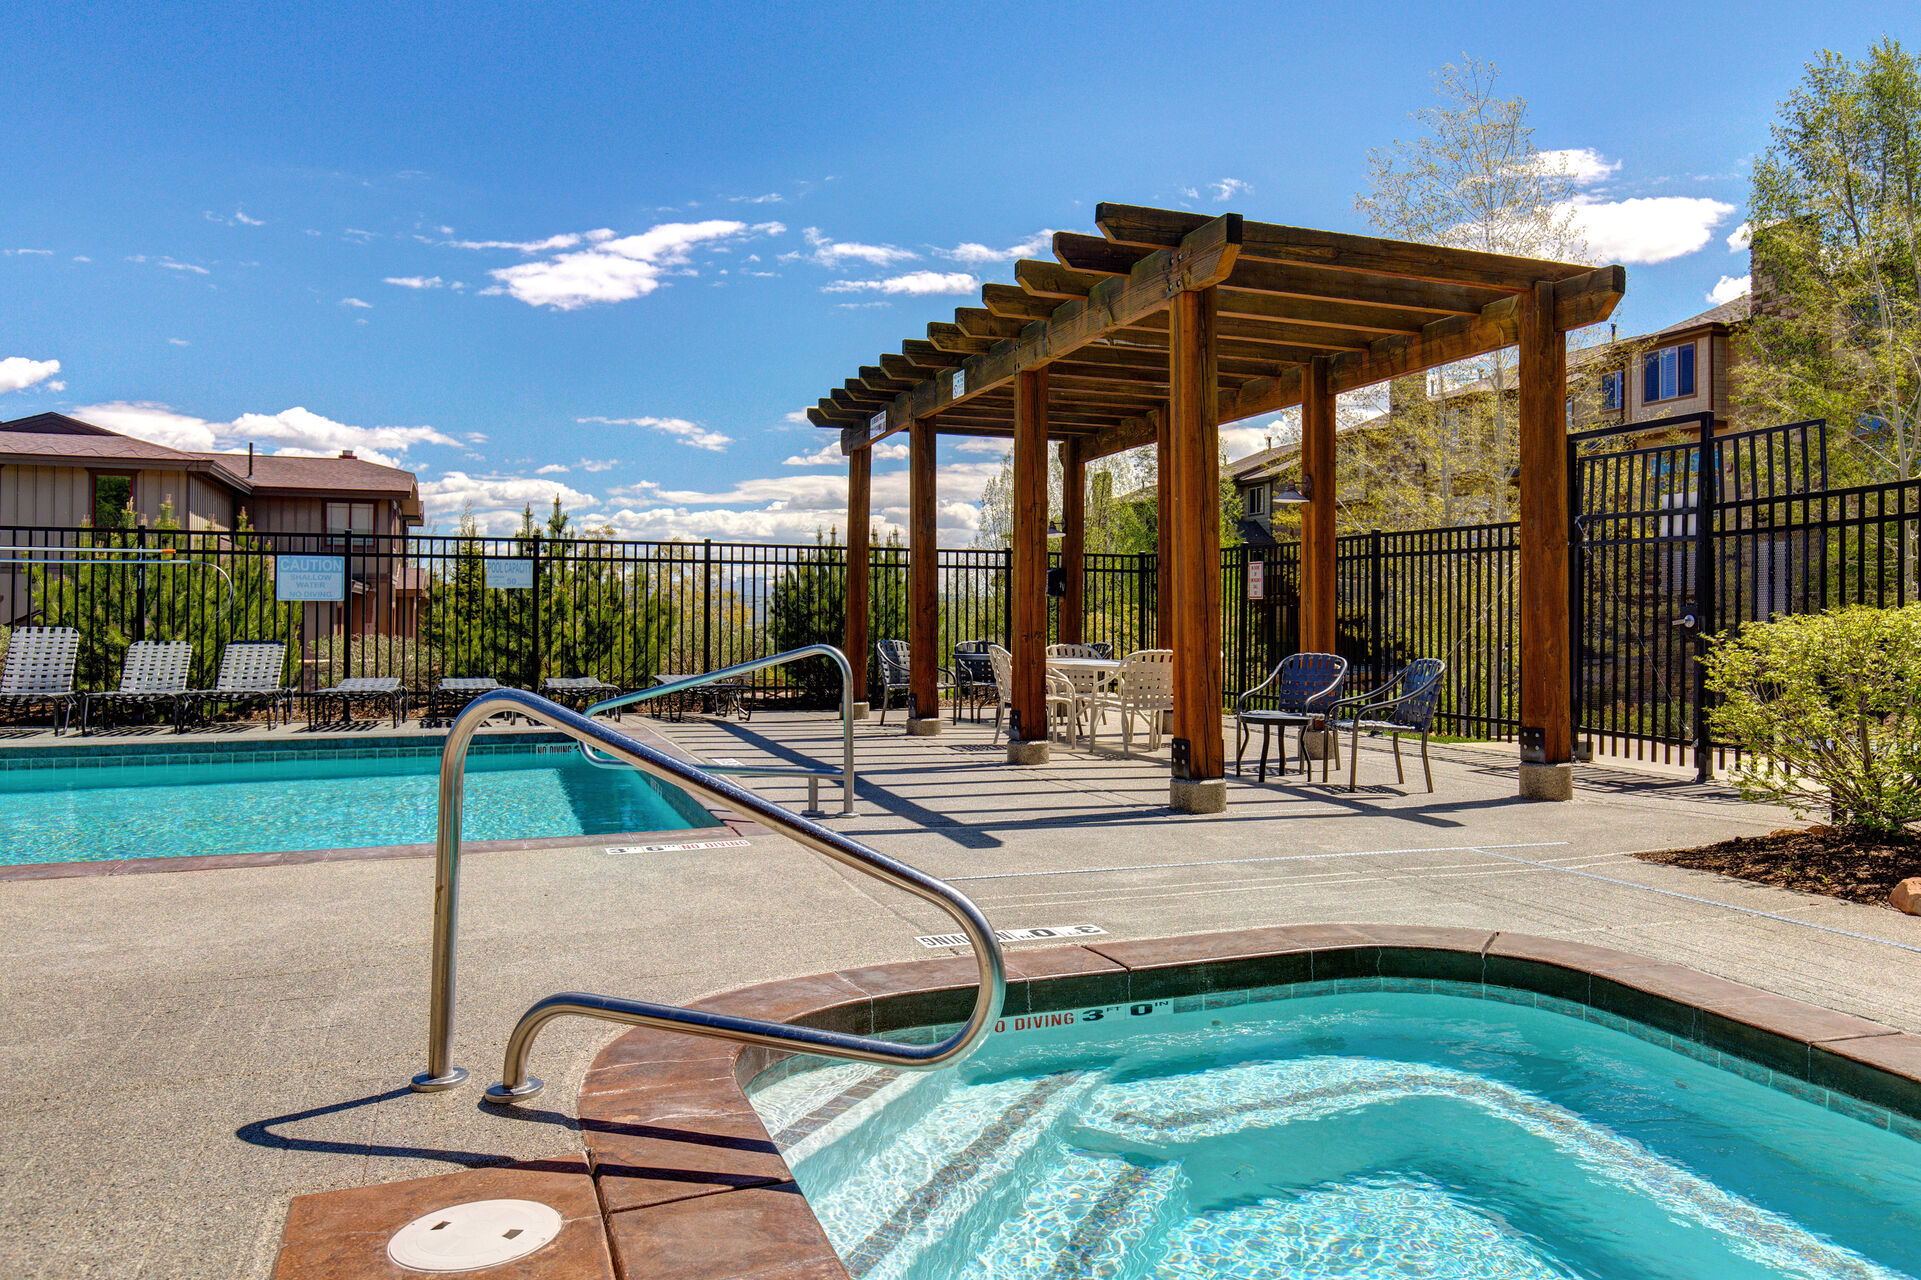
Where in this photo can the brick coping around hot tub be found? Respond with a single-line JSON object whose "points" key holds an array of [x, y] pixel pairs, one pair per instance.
{"points": [[680, 1180]]}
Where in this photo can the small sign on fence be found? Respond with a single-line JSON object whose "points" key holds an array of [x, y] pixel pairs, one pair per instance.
{"points": [[1257, 580], [297, 578], [511, 575]]}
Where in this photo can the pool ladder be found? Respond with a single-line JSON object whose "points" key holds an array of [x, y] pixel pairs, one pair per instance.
{"points": [[705, 784]]}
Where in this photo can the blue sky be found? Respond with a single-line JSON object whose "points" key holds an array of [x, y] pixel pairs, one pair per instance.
{"points": [[631, 241]]}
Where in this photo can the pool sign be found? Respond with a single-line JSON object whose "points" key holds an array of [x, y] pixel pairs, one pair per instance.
{"points": [[1105, 1014], [1015, 935], [877, 425], [513, 575], [959, 383], [1256, 580], [302, 578]]}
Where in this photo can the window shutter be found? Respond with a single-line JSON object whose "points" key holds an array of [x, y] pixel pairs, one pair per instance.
{"points": [[1651, 378], [1684, 381]]}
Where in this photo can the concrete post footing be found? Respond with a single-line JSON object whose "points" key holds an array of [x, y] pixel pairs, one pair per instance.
{"points": [[862, 710], [925, 727], [1547, 781], [1318, 744], [1198, 795], [1034, 752]]}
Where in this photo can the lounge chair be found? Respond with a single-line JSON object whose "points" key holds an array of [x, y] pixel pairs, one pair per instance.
{"points": [[1145, 689], [249, 673], [39, 670], [1411, 710], [895, 669], [584, 689], [374, 689], [458, 690], [152, 674], [1300, 691]]}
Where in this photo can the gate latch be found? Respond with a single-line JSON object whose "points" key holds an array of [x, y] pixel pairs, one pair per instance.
{"points": [[1687, 622]]}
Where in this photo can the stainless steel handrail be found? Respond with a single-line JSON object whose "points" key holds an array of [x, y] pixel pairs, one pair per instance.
{"points": [[846, 773], [515, 1084]]}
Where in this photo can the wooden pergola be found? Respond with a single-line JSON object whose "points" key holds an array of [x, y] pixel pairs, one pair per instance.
{"points": [[1157, 331]]}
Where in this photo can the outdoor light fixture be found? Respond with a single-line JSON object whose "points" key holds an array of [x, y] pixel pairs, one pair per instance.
{"points": [[1301, 494]]}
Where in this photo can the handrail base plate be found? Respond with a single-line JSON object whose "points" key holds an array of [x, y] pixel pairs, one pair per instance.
{"points": [[501, 1096], [424, 1083]]}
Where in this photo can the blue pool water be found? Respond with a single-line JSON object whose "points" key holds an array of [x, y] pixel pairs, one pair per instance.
{"points": [[1354, 1134], [331, 795]]}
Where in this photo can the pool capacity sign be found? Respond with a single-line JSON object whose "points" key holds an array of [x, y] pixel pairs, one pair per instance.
{"points": [[306, 578]]}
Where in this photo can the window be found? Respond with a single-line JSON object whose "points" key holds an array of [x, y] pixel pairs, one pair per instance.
{"points": [[1257, 500], [112, 495], [350, 517], [1611, 389], [1668, 374]]}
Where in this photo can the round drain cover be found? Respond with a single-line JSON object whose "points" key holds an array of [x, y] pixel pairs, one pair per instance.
{"points": [[467, 1237]]}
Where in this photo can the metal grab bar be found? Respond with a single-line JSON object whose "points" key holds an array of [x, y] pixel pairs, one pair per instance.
{"points": [[813, 776], [515, 1084]]}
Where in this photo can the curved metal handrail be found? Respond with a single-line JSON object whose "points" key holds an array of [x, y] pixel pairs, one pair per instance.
{"points": [[515, 1084], [846, 774]]}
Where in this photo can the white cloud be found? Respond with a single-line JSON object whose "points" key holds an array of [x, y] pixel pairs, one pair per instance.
{"points": [[245, 221], [297, 432], [81, 257], [797, 418], [829, 454], [688, 433], [551, 469], [170, 264], [915, 283], [1740, 238], [601, 464], [972, 254], [1583, 166], [179, 342], [861, 306], [1728, 288], [1647, 229], [835, 254], [415, 282], [495, 500], [566, 240], [17, 373], [355, 302], [618, 268], [27, 253], [772, 197], [1226, 189]]}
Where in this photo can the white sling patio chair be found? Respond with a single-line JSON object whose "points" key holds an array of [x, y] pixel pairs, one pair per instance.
{"points": [[39, 669], [249, 673], [154, 673], [1061, 703]]}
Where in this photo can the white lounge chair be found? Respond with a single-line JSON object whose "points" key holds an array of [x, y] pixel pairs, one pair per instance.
{"points": [[39, 669], [1145, 689], [249, 673]]}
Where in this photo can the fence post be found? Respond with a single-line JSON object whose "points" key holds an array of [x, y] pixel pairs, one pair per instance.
{"points": [[707, 605], [1707, 497], [140, 589], [1374, 593], [535, 641], [1147, 594]]}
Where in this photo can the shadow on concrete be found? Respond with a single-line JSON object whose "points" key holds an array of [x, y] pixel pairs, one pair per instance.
{"points": [[263, 1133]]}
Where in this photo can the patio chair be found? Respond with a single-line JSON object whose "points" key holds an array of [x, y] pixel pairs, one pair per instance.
{"points": [[1300, 691], [894, 674], [152, 674], [459, 691], [1061, 702], [1086, 686], [374, 689], [1411, 710], [1146, 689], [39, 669], [973, 677], [584, 689], [249, 673]]}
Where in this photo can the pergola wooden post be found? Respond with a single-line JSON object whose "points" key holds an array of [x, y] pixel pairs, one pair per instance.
{"points": [[1027, 732], [923, 577], [1547, 713], [1317, 516], [1164, 592], [1194, 443], [859, 490], [1073, 540]]}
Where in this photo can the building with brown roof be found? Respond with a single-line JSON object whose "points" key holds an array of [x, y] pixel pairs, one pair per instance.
{"points": [[60, 472]]}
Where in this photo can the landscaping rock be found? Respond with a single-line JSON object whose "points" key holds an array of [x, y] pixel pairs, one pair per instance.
{"points": [[1906, 896]]}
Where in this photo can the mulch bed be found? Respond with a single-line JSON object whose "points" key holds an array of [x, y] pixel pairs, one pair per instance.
{"points": [[1816, 860]]}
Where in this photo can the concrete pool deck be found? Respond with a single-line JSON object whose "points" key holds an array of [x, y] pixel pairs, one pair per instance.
{"points": [[190, 1051]]}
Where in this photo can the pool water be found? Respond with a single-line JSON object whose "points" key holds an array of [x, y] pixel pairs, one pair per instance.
{"points": [[319, 796], [1357, 1134]]}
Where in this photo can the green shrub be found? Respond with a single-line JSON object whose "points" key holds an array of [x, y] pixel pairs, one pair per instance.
{"points": [[1825, 708]]}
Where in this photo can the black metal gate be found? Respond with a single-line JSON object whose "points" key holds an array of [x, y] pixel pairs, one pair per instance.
{"points": [[1656, 573]]}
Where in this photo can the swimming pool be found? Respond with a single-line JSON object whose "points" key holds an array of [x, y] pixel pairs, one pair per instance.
{"points": [[1346, 1129], [80, 804]]}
